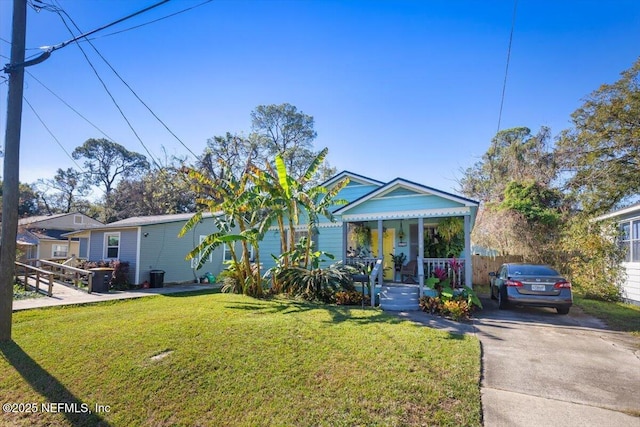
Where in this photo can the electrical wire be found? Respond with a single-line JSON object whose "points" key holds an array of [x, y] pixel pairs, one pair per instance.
{"points": [[85, 35], [129, 87], [151, 22], [51, 133], [48, 50], [104, 85], [61, 11], [506, 71], [69, 106]]}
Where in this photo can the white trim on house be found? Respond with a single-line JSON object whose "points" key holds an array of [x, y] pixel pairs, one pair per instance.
{"points": [[354, 178], [139, 243], [301, 227], [421, 213]]}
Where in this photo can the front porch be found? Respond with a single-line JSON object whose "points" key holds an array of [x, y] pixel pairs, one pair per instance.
{"points": [[397, 295]]}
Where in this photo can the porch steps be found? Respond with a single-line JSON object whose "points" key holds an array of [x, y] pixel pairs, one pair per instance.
{"points": [[400, 298]]}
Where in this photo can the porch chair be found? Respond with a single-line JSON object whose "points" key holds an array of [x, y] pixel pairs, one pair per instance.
{"points": [[408, 272]]}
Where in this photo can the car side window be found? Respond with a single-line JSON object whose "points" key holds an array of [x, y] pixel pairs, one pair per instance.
{"points": [[503, 272]]}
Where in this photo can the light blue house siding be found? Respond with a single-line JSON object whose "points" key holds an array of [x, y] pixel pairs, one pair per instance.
{"points": [[161, 249], [83, 245], [152, 243], [126, 250]]}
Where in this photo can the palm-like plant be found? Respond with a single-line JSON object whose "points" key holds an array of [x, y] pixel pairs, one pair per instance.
{"points": [[236, 204]]}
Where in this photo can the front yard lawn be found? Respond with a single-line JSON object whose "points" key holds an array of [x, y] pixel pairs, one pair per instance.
{"points": [[219, 359]]}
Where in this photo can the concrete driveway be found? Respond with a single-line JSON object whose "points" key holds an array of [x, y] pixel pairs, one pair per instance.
{"points": [[544, 369]]}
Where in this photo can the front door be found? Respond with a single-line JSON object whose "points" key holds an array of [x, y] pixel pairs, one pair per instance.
{"points": [[388, 245]]}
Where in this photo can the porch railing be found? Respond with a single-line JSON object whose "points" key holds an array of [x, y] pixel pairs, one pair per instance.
{"points": [[456, 277], [366, 262]]}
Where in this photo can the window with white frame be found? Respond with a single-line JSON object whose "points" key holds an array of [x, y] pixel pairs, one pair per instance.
{"points": [[298, 234], [226, 253], [629, 240], [112, 245], [635, 241], [196, 261], [59, 250]]}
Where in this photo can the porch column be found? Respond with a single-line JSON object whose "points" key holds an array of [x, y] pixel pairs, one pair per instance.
{"points": [[380, 251], [468, 271], [421, 255], [345, 241]]}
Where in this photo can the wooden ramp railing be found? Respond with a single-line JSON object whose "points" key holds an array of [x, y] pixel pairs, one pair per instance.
{"points": [[77, 277], [27, 272]]}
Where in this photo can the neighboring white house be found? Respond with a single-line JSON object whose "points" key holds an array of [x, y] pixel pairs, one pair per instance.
{"points": [[628, 220]]}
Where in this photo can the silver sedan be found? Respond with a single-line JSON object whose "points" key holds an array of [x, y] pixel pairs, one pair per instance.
{"points": [[531, 285]]}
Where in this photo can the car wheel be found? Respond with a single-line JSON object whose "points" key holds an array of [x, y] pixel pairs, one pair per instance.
{"points": [[503, 303], [562, 310], [493, 296]]}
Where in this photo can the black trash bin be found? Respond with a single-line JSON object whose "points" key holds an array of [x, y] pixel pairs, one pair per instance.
{"points": [[156, 278], [101, 279]]}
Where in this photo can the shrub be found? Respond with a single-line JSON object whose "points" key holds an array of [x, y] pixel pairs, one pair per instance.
{"points": [[351, 298], [458, 309], [317, 284], [432, 305], [120, 276]]}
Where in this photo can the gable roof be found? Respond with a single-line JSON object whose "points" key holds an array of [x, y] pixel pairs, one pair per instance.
{"points": [[353, 177], [39, 218], [51, 221], [401, 182]]}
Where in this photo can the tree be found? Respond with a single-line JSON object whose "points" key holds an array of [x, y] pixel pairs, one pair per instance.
{"points": [[158, 192], [520, 209], [233, 151], [64, 192], [514, 154], [601, 152], [236, 204], [287, 132], [106, 162], [275, 130]]}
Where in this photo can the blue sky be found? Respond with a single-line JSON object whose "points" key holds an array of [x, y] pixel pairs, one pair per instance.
{"points": [[397, 88]]}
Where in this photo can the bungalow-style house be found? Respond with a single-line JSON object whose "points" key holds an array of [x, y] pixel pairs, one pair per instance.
{"points": [[380, 220], [628, 220], [40, 237]]}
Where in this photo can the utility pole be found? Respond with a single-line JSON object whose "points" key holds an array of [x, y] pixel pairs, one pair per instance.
{"points": [[10, 187]]}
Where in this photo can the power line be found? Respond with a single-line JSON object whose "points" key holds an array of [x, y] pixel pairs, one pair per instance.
{"points": [[51, 133], [81, 36], [50, 49], [127, 85], [69, 106], [506, 71], [104, 85], [151, 22]]}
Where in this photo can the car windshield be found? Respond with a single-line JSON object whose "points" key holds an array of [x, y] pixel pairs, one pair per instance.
{"points": [[532, 270]]}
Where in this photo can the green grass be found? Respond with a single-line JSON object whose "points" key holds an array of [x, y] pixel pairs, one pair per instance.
{"points": [[233, 360], [617, 315], [19, 292]]}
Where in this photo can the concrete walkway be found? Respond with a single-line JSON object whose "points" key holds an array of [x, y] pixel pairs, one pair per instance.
{"points": [[543, 369], [68, 295]]}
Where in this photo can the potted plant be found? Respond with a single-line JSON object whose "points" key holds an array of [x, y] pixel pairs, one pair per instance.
{"points": [[398, 260], [362, 235]]}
